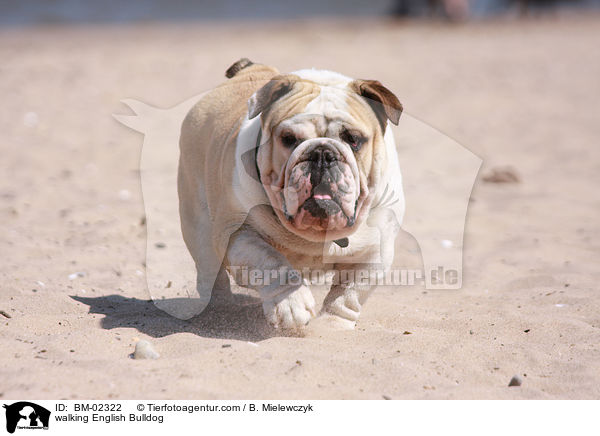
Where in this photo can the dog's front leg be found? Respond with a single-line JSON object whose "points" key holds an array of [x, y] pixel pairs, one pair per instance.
{"points": [[357, 281], [354, 285], [287, 302]]}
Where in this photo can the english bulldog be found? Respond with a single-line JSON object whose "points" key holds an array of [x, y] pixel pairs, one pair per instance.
{"points": [[287, 173]]}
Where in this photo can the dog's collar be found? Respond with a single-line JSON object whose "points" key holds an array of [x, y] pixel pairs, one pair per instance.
{"points": [[258, 138], [344, 242]]}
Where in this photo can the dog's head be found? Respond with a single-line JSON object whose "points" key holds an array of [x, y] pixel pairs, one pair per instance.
{"points": [[322, 150]]}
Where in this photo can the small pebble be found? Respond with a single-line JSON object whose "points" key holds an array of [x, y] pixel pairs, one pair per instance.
{"points": [[124, 195], [160, 245], [145, 350], [226, 346], [515, 381], [501, 175], [446, 243], [386, 397], [76, 275], [31, 119]]}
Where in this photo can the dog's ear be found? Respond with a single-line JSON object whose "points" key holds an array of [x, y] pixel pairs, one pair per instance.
{"points": [[276, 88], [237, 67], [383, 101]]}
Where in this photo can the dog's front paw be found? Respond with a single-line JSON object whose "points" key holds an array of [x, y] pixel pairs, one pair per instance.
{"points": [[293, 312], [345, 306]]}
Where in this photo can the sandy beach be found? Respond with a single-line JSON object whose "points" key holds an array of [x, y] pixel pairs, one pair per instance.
{"points": [[517, 93]]}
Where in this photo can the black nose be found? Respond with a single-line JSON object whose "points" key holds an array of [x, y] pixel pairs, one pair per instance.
{"points": [[322, 156]]}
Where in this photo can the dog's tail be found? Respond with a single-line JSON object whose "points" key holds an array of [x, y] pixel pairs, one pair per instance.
{"points": [[237, 67]]}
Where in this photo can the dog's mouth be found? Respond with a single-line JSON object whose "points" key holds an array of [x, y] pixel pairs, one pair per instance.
{"points": [[321, 211]]}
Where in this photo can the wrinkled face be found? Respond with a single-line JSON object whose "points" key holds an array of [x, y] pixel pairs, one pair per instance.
{"points": [[319, 185], [319, 158]]}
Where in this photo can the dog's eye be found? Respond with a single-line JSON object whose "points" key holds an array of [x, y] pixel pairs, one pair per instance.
{"points": [[289, 139], [353, 139]]}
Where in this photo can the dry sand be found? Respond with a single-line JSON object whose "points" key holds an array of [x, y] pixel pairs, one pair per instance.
{"points": [[524, 94]]}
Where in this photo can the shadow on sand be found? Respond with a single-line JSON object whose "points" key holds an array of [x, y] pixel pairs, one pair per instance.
{"points": [[241, 320]]}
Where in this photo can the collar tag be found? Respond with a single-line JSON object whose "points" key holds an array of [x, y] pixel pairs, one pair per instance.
{"points": [[342, 242]]}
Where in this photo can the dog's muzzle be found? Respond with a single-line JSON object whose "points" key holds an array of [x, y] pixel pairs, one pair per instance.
{"points": [[322, 187]]}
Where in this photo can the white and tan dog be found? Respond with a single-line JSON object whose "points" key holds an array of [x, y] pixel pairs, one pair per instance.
{"points": [[282, 172]]}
